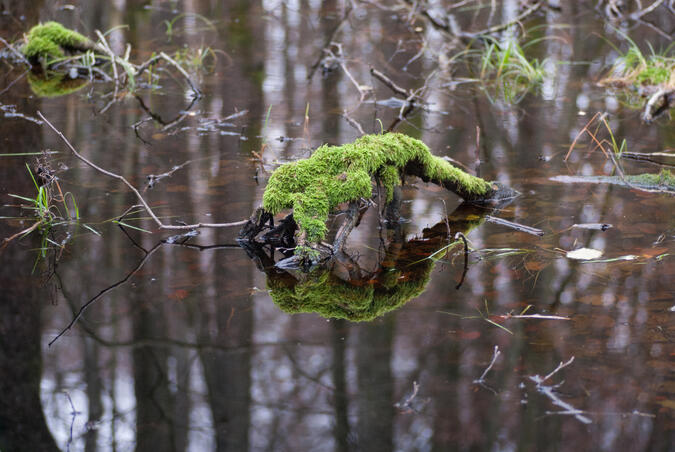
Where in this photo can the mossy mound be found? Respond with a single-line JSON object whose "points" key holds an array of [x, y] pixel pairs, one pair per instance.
{"points": [[51, 40], [663, 180], [331, 297], [403, 275], [55, 85], [313, 187]]}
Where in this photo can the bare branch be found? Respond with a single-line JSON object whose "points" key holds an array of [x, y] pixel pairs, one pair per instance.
{"points": [[549, 391], [16, 53], [182, 71], [506, 25], [390, 83], [560, 367], [353, 122], [513, 225], [145, 205], [642, 12], [495, 355], [105, 291]]}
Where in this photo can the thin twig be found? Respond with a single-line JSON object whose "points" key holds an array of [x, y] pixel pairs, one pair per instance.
{"points": [[26, 231], [513, 225], [581, 132], [353, 122], [407, 403], [154, 178], [495, 355], [145, 205], [182, 71], [113, 60], [329, 40], [18, 54], [549, 391], [73, 413], [506, 25], [642, 12], [459, 235], [143, 67], [105, 291], [560, 367], [533, 316], [9, 86], [405, 93]]}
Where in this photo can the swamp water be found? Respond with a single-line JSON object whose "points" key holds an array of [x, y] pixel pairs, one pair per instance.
{"points": [[187, 350]]}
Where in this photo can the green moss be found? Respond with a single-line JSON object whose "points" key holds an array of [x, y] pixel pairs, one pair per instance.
{"points": [[55, 85], [338, 174], [331, 297], [664, 179], [51, 39], [403, 275], [307, 252]]}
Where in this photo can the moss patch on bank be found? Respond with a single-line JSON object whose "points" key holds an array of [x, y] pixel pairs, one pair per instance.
{"points": [[334, 175], [662, 180], [51, 40]]}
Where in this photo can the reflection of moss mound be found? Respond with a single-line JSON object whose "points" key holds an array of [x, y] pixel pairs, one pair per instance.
{"points": [[51, 39], [55, 85], [336, 174], [332, 297]]}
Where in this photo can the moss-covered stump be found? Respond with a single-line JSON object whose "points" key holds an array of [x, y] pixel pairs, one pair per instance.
{"points": [[403, 275], [52, 41], [334, 175]]}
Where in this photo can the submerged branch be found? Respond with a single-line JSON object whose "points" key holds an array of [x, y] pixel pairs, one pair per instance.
{"points": [[495, 355], [513, 225], [550, 392]]}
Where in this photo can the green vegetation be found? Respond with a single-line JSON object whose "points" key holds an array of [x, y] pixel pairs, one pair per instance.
{"points": [[200, 59], [633, 67], [663, 180], [80, 58], [49, 210], [45, 204], [50, 41], [331, 297], [404, 274], [338, 174], [54, 85], [170, 24], [503, 67]]}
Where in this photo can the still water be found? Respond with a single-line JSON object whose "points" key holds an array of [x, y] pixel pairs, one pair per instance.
{"points": [[187, 350]]}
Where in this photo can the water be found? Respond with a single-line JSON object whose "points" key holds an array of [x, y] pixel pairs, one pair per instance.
{"points": [[189, 352]]}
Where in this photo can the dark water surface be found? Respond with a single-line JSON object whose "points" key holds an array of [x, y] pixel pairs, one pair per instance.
{"points": [[191, 353]]}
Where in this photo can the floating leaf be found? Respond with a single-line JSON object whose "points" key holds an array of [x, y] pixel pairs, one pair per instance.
{"points": [[584, 254]]}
